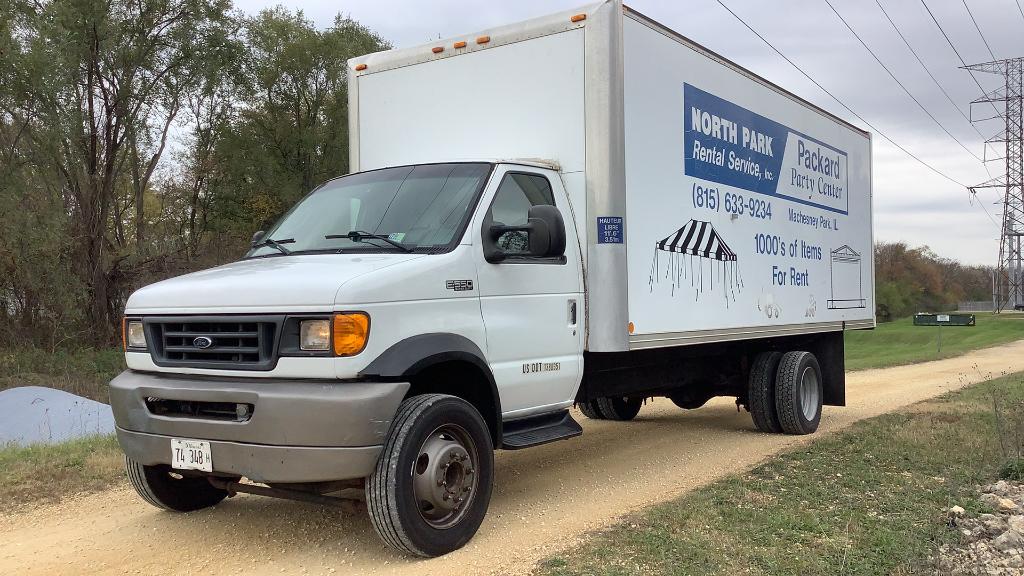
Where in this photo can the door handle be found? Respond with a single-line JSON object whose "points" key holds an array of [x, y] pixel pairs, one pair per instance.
{"points": [[572, 312]]}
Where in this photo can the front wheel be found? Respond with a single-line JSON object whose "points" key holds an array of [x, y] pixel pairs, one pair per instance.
{"points": [[432, 484], [164, 488]]}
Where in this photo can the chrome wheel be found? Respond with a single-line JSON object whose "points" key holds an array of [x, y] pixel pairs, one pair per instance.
{"points": [[444, 476], [809, 393]]}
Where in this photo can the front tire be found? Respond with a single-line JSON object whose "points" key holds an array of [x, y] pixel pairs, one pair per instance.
{"points": [[177, 493], [430, 490], [798, 393]]}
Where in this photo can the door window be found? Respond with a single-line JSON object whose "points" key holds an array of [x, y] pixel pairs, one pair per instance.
{"points": [[517, 193]]}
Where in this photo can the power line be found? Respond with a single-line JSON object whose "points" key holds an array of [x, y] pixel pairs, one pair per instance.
{"points": [[1019, 9], [982, 204], [957, 52], [834, 97], [926, 69], [893, 76], [978, 28]]}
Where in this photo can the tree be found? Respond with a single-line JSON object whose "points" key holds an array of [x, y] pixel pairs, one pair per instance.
{"points": [[910, 280], [94, 88], [292, 128], [140, 139]]}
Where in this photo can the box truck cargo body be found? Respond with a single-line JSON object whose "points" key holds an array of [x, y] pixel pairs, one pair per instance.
{"points": [[582, 209]]}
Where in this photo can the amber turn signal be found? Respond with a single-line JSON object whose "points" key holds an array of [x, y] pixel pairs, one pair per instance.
{"points": [[351, 331]]}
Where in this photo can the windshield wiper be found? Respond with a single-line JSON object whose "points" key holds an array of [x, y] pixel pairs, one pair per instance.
{"points": [[276, 244], [359, 236]]}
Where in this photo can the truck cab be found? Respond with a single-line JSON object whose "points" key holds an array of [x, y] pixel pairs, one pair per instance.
{"points": [[291, 363]]}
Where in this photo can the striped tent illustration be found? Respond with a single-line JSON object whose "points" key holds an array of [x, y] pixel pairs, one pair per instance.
{"points": [[684, 255]]}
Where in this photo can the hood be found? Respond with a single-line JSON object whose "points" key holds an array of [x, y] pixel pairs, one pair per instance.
{"points": [[299, 283]]}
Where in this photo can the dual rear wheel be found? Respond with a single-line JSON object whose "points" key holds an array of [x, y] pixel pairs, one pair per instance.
{"points": [[611, 408], [785, 392]]}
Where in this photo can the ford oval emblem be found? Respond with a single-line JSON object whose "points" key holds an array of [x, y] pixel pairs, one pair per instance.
{"points": [[202, 342]]}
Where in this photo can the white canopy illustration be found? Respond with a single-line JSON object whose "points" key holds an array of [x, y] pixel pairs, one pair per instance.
{"points": [[847, 279], [689, 249]]}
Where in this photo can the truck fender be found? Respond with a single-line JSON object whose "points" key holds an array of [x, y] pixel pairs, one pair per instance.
{"points": [[412, 355]]}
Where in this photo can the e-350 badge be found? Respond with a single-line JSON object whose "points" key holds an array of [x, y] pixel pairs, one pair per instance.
{"points": [[459, 285]]}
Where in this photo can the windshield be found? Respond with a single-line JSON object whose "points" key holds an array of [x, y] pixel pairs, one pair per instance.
{"points": [[420, 208]]}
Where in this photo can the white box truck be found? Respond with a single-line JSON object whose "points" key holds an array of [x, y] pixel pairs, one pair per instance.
{"points": [[583, 209]]}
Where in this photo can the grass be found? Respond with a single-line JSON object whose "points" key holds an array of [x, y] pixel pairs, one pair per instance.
{"points": [[84, 372], [870, 500], [46, 473], [900, 342]]}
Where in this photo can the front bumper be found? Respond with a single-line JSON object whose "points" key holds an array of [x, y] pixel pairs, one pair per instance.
{"points": [[299, 430]]}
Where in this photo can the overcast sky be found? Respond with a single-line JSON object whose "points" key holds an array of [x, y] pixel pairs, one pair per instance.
{"points": [[911, 202]]}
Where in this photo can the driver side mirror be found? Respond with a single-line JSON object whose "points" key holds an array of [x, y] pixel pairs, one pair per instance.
{"points": [[257, 236], [543, 236]]}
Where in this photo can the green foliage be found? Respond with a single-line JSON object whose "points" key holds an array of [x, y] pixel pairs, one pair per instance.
{"points": [[292, 135], [870, 500], [1013, 470], [144, 139]]}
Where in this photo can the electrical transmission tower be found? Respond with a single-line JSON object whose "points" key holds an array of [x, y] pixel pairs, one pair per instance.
{"points": [[1008, 285]]}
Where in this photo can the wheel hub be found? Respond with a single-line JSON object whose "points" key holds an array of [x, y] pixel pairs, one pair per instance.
{"points": [[443, 478], [809, 393]]}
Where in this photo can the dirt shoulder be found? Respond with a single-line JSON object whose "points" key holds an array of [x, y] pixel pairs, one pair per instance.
{"points": [[545, 498]]}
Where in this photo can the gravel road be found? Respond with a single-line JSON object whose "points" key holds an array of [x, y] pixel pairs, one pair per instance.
{"points": [[545, 498]]}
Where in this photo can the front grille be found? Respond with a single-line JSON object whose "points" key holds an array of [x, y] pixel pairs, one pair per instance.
{"points": [[225, 343]]}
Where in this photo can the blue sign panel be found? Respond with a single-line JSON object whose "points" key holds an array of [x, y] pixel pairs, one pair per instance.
{"points": [[609, 229], [731, 145]]}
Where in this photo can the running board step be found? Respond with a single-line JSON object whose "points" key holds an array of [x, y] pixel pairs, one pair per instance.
{"points": [[538, 430]]}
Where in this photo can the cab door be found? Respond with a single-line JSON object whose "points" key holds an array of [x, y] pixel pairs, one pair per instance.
{"points": [[532, 305]]}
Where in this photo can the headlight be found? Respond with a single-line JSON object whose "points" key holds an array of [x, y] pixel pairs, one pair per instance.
{"points": [[134, 334], [351, 330], [315, 335]]}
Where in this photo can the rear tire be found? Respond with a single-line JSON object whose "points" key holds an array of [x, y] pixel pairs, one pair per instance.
{"points": [[590, 410], [761, 392], [615, 408], [798, 393], [432, 484], [185, 494]]}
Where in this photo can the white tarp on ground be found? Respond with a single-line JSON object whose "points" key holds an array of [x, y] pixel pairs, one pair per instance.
{"points": [[33, 414]]}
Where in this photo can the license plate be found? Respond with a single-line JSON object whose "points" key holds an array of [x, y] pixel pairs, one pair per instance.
{"points": [[191, 455]]}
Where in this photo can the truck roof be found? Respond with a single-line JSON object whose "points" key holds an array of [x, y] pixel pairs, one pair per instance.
{"points": [[543, 26]]}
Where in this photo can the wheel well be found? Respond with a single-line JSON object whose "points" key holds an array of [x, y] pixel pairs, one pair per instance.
{"points": [[464, 380]]}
